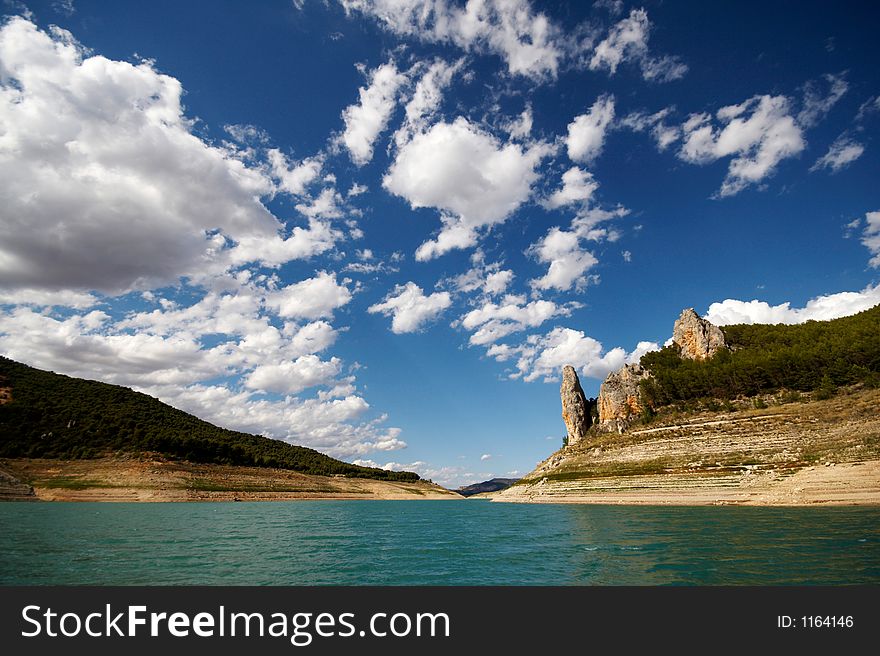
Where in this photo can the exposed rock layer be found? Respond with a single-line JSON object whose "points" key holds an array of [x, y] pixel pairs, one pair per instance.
{"points": [[575, 411], [697, 338], [620, 401]]}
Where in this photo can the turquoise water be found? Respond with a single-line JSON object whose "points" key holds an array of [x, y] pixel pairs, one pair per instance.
{"points": [[433, 543]]}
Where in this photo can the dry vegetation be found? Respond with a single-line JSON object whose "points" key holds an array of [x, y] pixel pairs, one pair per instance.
{"points": [[803, 451], [158, 479]]}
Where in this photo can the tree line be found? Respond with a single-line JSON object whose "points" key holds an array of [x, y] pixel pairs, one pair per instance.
{"points": [[816, 356], [56, 416]]}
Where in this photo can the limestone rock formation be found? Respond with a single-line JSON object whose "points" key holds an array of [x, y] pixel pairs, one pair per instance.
{"points": [[697, 338], [620, 401], [575, 410]]}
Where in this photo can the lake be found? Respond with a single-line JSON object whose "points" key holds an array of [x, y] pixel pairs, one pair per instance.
{"points": [[434, 543]]}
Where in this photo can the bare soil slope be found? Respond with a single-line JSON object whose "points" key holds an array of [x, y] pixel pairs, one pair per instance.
{"points": [[145, 479], [788, 454]]}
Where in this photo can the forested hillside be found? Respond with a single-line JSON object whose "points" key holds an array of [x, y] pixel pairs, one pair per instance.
{"points": [[816, 356], [48, 415]]}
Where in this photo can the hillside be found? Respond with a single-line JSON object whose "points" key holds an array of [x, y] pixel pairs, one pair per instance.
{"points": [[51, 416], [817, 356], [754, 414], [492, 485]]}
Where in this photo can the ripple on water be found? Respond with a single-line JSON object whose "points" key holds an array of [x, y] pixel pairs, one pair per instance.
{"points": [[434, 543]]}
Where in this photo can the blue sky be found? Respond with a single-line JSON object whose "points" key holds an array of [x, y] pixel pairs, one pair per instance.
{"points": [[380, 229]]}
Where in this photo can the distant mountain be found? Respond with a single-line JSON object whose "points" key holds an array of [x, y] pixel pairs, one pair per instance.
{"points": [[492, 485], [49, 415]]}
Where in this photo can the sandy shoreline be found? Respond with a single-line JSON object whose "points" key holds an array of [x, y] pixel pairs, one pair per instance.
{"points": [[846, 484], [137, 480]]}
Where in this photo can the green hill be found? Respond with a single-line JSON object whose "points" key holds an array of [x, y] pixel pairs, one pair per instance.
{"points": [[48, 415], [816, 356]]}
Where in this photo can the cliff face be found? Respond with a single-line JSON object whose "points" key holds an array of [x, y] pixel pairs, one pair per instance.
{"points": [[575, 410], [697, 338], [620, 401]]}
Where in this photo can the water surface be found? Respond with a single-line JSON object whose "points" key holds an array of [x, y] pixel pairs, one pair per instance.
{"points": [[434, 543]]}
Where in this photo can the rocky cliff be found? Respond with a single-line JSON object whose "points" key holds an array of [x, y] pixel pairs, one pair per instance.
{"points": [[575, 410], [697, 338], [620, 401]]}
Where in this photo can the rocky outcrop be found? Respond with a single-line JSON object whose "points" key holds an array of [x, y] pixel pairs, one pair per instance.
{"points": [[696, 337], [620, 401], [575, 410]]}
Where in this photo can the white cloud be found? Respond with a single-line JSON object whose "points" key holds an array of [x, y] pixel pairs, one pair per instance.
{"points": [[293, 376], [758, 134], [821, 308], [815, 105], [521, 127], [488, 279], [64, 7], [426, 99], [493, 321], [469, 176], [527, 41], [871, 237], [448, 477], [870, 106], [99, 151], [162, 353], [486, 456], [302, 243], [366, 120], [326, 205], [543, 356], [44, 298], [564, 252], [293, 179], [410, 309], [628, 41], [664, 135], [586, 133], [578, 186], [313, 298], [567, 260], [842, 152]]}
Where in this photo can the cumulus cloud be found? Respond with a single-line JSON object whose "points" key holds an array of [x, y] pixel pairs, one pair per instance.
{"points": [[843, 151], [426, 99], [567, 260], [586, 133], [487, 278], [627, 41], [174, 352], [293, 178], [543, 356], [821, 308], [492, 321], [758, 134], [313, 298], [367, 119], [467, 174], [565, 253], [97, 157], [410, 308], [293, 376], [521, 127], [528, 41], [449, 476], [578, 186]]}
